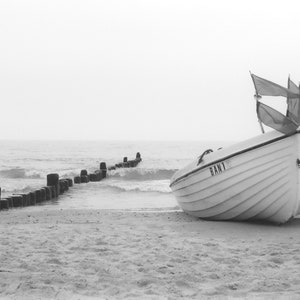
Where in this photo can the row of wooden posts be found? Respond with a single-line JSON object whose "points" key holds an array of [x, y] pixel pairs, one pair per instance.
{"points": [[56, 186]]}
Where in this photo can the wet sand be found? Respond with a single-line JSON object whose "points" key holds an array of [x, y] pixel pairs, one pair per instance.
{"points": [[110, 254]]}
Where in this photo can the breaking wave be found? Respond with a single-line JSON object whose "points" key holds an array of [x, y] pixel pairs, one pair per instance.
{"points": [[149, 180], [15, 173], [142, 174], [20, 190], [162, 188]]}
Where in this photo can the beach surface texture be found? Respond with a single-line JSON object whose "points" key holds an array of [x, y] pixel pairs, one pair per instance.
{"points": [[151, 254]]}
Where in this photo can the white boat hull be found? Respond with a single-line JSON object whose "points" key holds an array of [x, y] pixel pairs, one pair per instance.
{"points": [[254, 180]]}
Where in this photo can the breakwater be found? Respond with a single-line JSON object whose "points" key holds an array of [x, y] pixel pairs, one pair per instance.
{"points": [[57, 186]]}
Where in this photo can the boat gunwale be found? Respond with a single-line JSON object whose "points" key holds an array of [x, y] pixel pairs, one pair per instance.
{"points": [[233, 155]]}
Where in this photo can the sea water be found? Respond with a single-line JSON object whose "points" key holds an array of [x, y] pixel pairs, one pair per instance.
{"points": [[24, 166]]}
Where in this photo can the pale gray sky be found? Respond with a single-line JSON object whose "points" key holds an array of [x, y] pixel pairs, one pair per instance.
{"points": [[160, 70]]}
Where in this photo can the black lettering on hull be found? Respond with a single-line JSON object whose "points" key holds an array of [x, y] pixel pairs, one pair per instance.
{"points": [[217, 168]]}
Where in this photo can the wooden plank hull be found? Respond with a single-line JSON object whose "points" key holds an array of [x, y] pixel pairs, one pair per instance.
{"points": [[253, 180]]}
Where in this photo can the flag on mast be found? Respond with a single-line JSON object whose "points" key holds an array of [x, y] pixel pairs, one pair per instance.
{"points": [[274, 119], [268, 88], [271, 117]]}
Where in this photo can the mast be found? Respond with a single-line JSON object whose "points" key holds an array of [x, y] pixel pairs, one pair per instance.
{"points": [[257, 97], [288, 98], [298, 104]]}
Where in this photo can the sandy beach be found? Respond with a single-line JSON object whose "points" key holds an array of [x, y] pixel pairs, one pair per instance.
{"points": [[102, 254]]}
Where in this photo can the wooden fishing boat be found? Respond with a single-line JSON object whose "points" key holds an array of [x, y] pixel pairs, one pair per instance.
{"points": [[257, 179]]}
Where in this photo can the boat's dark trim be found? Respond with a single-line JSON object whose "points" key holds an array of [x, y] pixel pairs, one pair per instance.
{"points": [[232, 155]]}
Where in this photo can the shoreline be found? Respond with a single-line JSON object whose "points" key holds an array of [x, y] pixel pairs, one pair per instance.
{"points": [[122, 254]]}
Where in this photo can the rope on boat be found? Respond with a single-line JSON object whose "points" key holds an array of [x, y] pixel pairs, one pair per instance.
{"points": [[202, 155]]}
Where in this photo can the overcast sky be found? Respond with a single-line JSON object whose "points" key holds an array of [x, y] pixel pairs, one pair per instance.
{"points": [[132, 70]]}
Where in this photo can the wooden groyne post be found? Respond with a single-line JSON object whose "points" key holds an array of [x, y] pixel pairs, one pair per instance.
{"points": [[103, 169], [53, 180]]}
